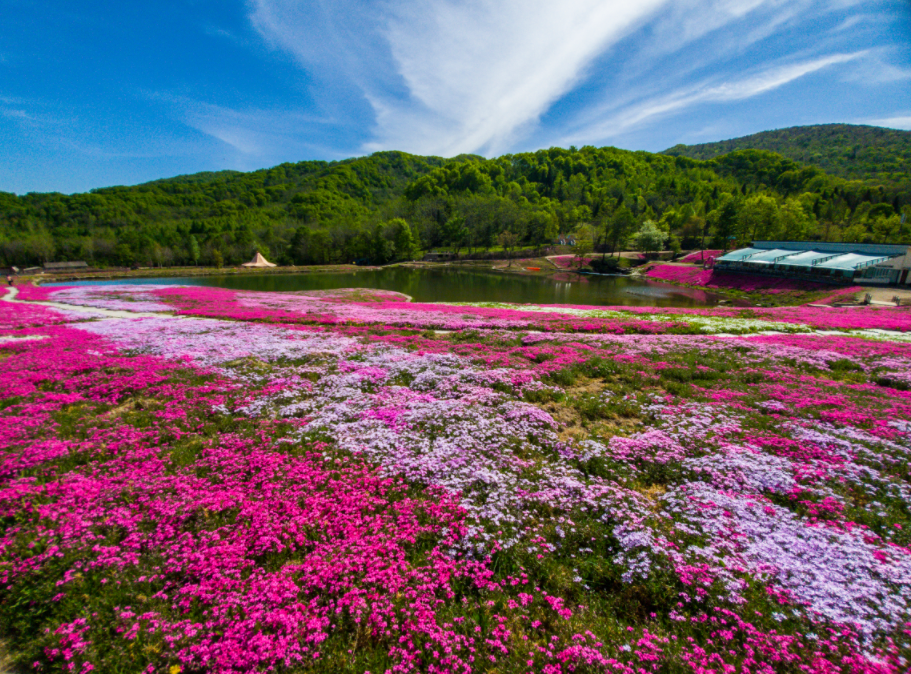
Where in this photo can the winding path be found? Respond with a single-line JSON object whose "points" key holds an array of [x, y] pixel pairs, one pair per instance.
{"points": [[12, 293]]}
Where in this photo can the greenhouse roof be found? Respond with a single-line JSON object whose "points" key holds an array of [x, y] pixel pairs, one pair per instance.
{"points": [[807, 258], [877, 249], [852, 261], [769, 256], [738, 255]]}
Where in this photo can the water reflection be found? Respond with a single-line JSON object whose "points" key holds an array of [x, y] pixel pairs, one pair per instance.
{"points": [[462, 285]]}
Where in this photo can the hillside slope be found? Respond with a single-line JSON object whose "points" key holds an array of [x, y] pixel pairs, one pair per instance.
{"points": [[390, 205], [868, 153]]}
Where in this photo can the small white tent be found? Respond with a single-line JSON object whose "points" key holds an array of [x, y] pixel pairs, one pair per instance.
{"points": [[258, 261]]}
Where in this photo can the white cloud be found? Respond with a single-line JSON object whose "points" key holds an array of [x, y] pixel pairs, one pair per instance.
{"points": [[482, 70], [215, 31], [636, 115], [851, 22], [899, 122], [877, 70], [16, 114], [446, 77], [250, 137], [451, 76], [27, 112], [255, 135]]}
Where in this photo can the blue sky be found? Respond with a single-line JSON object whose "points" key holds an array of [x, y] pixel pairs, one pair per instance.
{"points": [[96, 93]]}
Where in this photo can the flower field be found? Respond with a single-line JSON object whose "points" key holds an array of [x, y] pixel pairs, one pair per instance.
{"points": [[251, 482], [714, 279], [328, 311], [750, 283]]}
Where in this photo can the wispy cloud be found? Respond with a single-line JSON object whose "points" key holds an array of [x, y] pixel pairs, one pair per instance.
{"points": [[877, 69], [221, 33], [13, 113], [12, 100], [481, 71], [851, 22], [897, 122], [628, 117], [446, 77], [29, 112], [256, 136]]}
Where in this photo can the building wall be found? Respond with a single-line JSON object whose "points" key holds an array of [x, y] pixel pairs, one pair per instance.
{"points": [[899, 268], [896, 270], [878, 275]]}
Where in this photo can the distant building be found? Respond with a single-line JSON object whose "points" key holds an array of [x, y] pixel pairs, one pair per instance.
{"points": [[64, 266], [881, 264]]}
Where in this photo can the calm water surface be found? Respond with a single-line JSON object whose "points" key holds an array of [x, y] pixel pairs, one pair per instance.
{"points": [[457, 285]]}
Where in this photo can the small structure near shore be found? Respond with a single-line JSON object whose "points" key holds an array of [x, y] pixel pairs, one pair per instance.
{"points": [[258, 261], [64, 266]]}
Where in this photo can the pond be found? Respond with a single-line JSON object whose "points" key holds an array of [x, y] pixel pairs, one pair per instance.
{"points": [[458, 285]]}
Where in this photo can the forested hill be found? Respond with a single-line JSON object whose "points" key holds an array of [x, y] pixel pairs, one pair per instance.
{"points": [[391, 205], [867, 153]]}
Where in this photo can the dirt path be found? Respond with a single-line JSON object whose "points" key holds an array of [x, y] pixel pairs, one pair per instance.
{"points": [[12, 293], [885, 295]]}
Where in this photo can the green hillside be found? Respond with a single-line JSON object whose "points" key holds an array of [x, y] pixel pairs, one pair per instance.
{"points": [[870, 154], [390, 205]]}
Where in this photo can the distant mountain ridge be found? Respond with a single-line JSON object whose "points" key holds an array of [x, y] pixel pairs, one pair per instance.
{"points": [[871, 154]]}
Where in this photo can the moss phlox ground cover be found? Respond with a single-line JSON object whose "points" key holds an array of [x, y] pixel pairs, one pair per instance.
{"points": [[701, 255], [316, 310], [760, 285], [276, 483]]}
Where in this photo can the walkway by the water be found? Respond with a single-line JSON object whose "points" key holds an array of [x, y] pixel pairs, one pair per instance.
{"points": [[12, 293]]}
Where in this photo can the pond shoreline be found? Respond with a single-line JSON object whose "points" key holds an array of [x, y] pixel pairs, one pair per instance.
{"points": [[179, 272], [445, 283], [541, 268]]}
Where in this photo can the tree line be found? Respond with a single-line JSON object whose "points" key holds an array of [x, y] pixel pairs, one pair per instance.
{"points": [[870, 154], [392, 205]]}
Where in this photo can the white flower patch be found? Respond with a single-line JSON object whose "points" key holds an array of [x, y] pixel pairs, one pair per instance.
{"points": [[137, 298], [210, 343], [834, 573], [707, 324], [744, 468], [882, 335]]}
